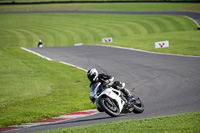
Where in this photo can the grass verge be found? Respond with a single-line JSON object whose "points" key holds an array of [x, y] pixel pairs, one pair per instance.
{"points": [[135, 31], [34, 89], [103, 6], [181, 123], [180, 42]]}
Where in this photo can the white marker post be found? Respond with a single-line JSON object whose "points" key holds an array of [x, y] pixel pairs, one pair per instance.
{"points": [[105, 40], [162, 44], [78, 44]]}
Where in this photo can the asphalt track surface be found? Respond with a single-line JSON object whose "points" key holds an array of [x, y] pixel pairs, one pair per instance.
{"points": [[167, 84]]}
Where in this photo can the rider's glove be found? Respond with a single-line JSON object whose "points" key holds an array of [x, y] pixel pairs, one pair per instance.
{"points": [[104, 82], [92, 99]]}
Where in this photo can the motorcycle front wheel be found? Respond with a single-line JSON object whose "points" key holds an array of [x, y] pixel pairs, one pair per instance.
{"points": [[138, 106], [109, 106]]}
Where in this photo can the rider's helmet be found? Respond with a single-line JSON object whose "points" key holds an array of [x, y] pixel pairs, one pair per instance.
{"points": [[92, 74]]}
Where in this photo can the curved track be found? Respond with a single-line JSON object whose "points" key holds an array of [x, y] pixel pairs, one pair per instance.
{"points": [[167, 84]]}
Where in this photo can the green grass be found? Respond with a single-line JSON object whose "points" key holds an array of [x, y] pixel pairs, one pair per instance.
{"points": [[182, 123], [135, 31], [32, 88], [104, 6], [10, 1], [179, 42]]}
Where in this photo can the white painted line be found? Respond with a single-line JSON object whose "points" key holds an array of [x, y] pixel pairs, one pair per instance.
{"points": [[80, 114], [192, 20], [52, 59], [70, 116], [25, 125], [72, 65], [37, 54], [147, 51]]}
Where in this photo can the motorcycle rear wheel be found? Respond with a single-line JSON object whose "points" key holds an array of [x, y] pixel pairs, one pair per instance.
{"points": [[138, 106], [112, 110]]}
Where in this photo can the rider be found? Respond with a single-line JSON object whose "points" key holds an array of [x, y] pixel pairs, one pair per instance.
{"points": [[105, 79]]}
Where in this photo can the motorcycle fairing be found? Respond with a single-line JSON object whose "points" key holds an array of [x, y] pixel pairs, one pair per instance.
{"points": [[113, 94]]}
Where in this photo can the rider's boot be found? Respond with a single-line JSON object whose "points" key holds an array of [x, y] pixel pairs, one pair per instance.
{"points": [[128, 95], [121, 86]]}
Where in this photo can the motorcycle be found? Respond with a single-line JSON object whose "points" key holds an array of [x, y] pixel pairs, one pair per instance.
{"points": [[113, 102]]}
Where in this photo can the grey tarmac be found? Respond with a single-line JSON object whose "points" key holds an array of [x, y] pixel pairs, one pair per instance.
{"points": [[167, 84]]}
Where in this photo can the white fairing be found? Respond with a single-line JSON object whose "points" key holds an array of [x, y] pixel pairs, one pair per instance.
{"points": [[110, 92]]}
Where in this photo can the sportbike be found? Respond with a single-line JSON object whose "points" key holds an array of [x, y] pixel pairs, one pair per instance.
{"points": [[113, 102]]}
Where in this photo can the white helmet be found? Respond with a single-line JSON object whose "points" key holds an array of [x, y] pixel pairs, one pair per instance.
{"points": [[92, 74]]}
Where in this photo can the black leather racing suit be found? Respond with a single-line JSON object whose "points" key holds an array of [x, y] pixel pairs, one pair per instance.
{"points": [[105, 79]]}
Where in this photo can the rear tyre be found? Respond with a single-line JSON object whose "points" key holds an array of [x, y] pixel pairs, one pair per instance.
{"points": [[138, 106], [109, 106]]}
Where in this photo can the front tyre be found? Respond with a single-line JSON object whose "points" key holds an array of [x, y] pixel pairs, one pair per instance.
{"points": [[138, 106], [109, 106]]}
